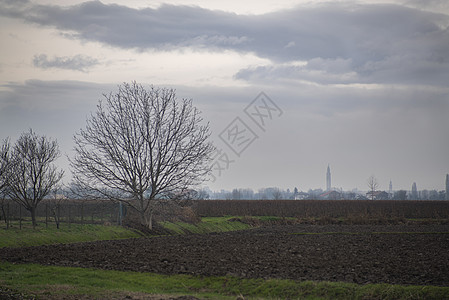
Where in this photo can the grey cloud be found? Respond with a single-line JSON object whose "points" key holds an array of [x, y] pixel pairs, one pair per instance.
{"points": [[124, 27], [50, 96], [392, 70], [78, 62], [318, 70], [431, 5], [377, 43], [56, 109]]}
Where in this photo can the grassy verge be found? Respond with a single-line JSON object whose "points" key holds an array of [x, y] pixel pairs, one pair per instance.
{"points": [[27, 236], [42, 235], [207, 225], [224, 224], [45, 281]]}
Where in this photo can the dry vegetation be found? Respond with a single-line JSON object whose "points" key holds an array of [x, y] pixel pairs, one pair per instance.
{"points": [[330, 211]]}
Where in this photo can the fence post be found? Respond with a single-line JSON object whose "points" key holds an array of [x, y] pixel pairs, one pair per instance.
{"points": [[46, 215], [58, 215]]}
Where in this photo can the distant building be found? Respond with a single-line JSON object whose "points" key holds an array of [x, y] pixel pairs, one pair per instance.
{"points": [[414, 195], [301, 196], [390, 191], [328, 179], [447, 186], [331, 195]]}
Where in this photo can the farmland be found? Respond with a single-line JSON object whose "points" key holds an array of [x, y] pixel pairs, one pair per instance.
{"points": [[406, 243], [417, 255]]}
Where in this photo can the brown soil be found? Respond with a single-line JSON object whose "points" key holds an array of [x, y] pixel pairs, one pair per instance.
{"points": [[395, 254]]}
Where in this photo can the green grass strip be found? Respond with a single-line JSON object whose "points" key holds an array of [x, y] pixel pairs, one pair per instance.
{"points": [[74, 233], [50, 280], [207, 225], [27, 236]]}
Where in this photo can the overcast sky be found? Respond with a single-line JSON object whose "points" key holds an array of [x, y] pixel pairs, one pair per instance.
{"points": [[360, 85]]}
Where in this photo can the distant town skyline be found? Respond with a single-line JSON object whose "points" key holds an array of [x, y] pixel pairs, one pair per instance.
{"points": [[413, 190], [327, 194]]}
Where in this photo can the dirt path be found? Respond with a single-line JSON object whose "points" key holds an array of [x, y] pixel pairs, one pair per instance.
{"points": [[360, 254]]}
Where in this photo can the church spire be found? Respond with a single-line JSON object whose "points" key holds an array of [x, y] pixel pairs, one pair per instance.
{"points": [[390, 190], [447, 186], [328, 178]]}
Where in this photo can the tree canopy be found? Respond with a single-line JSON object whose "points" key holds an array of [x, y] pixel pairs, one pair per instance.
{"points": [[142, 145]]}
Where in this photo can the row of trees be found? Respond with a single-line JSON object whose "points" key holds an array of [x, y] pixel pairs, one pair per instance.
{"points": [[414, 194], [141, 147], [274, 193]]}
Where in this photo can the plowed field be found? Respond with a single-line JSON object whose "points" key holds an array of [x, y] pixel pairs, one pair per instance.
{"points": [[399, 254]]}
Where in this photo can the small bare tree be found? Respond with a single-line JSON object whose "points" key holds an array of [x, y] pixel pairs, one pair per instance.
{"points": [[4, 154], [277, 194], [140, 146], [56, 205], [4, 163], [31, 174], [373, 185]]}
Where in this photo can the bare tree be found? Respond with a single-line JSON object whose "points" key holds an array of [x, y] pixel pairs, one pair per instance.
{"points": [[4, 163], [277, 194], [373, 185], [140, 146], [31, 173]]}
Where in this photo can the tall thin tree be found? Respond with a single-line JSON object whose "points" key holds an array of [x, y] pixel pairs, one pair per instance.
{"points": [[373, 185], [140, 146]]}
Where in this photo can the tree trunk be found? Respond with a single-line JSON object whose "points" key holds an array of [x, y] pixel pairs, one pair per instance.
{"points": [[146, 219], [33, 216], [55, 211], [4, 213]]}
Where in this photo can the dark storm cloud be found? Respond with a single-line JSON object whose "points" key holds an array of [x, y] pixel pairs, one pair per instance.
{"points": [[78, 62], [342, 43]]}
